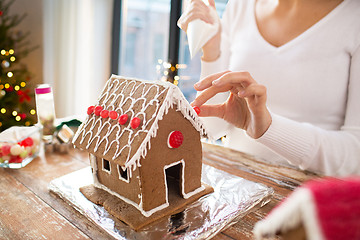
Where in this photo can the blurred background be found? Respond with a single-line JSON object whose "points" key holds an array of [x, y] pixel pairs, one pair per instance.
{"points": [[75, 46]]}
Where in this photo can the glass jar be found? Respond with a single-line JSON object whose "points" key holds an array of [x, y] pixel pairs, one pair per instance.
{"points": [[45, 110], [19, 146]]}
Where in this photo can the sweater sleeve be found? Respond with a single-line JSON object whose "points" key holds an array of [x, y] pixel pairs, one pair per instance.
{"points": [[313, 148]]}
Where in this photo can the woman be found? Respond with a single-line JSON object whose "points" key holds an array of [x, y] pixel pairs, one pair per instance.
{"points": [[285, 77]]}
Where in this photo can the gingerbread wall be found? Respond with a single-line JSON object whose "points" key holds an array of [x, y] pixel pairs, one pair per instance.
{"points": [[152, 167], [112, 180]]}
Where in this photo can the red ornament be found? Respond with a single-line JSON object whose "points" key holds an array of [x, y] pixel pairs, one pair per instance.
{"points": [[98, 110], [1, 13], [27, 142], [9, 89], [197, 110], [123, 119], [175, 139], [113, 115], [22, 115], [90, 110], [24, 95], [135, 122], [104, 113]]}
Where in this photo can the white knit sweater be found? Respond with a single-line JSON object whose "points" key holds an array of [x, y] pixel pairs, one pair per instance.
{"points": [[313, 87]]}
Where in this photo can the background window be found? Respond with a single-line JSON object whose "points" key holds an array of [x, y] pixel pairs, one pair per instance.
{"points": [[143, 35], [147, 42], [129, 64]]}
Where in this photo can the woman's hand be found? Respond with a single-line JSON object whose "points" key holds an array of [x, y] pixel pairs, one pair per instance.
{"points": [[197, 9], [246, 106]]}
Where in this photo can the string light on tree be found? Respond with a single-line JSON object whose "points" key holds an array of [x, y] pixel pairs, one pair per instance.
{"points": [[5, 64], [176, 80]]}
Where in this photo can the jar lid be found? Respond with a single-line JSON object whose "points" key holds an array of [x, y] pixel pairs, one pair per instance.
{"points": [[42, 89]]}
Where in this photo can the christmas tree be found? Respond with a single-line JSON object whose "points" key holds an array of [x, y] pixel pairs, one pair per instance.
{"points": [[16, 98]]}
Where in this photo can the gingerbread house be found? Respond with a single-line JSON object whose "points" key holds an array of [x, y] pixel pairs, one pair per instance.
{"points": [[324, 208], [143, 140]]}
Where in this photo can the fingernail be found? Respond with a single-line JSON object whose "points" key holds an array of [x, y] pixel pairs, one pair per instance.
{"points": [[241, 93], [197, 84]]}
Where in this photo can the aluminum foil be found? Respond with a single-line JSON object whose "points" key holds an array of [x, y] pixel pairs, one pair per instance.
{"points": [[233, 197]]}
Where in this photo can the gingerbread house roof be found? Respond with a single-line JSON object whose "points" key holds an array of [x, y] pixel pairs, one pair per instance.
{"points": [[105, 137]]}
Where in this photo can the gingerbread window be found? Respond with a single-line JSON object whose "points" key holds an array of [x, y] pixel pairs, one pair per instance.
{"points": [[123, 173], [106, 165]]}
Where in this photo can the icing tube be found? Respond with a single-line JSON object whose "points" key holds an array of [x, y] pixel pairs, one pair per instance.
{"points": [[200, 32]]}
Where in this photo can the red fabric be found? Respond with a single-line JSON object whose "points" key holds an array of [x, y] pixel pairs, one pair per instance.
{"points": [[338, 206]]}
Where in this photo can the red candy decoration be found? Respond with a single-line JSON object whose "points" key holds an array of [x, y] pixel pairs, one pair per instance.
{"points": [[104, 113], [5, 149], [98, 110], [15, 159], [123, 119], [197, 110], [90, 110], [175, 139], [135, 122], [113, 115], [27, 142]]}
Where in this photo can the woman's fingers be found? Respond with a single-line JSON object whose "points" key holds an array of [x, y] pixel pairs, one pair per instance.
{"points": [[234, 78], [242, 79], [236, 82], [204, 96], [212, 3], [217, 110], [255, 93], [207, 82], [253, 89], [246, 106]]}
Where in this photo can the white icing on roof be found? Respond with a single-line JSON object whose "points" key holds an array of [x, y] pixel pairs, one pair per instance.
{"points": [[123, 95]]}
